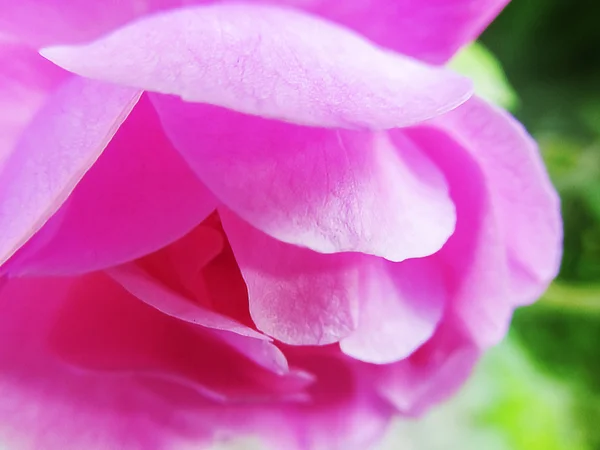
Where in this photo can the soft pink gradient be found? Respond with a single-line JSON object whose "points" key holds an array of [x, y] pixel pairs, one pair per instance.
{"points": [[274, 218]]}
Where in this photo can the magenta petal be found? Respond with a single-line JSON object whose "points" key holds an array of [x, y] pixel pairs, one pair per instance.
{"points": [[69, 403], [102, 370], [474, 258], [345, 413], [46, 22], [270, 62], [430, 30], [262, 351], [140, 179], [328, 190], [297, 296], [140, 284], [102, 328], [26, 80], [430, 375], [506, 247], [525, 205], [249, 342], [55, 151], [401, 305], [41, 22]]}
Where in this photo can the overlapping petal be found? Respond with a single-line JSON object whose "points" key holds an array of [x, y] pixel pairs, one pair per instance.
{"points": [[26, 80], [271, 62], [46, 404], [506, 247], [54, 152], [380, 311], [401, 305], [343, 412], [525, 204], [474, 258], [328, 190], [100, 402], [297, 296], [104, 328], [39, 22], [138, 197], [433, 373], [431, 30], [146, 288], [361, 200]]}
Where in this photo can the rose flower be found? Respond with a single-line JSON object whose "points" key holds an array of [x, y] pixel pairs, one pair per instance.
{"points": [[283, 219]]}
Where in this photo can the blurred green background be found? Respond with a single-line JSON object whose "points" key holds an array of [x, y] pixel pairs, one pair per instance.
{"points": [[540, 389]]}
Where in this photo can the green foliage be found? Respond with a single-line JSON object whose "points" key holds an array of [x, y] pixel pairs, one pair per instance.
{"points": [[530, 410], [489, 79], [562, 340], [549, 50]]}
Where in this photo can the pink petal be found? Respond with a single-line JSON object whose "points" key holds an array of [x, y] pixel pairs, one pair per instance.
{"points": [[526, 205], [401, 305], [26, 80], [430, 375], [328, 190], [506, 247], [139, 180], [140, 284], [201, 266], [103, 328], [149, 287], [297, 296], [345, 412], [55, 151], [45, 22], [46, 405], [262, 352], [271, 62], [430, 30], [102, 402], [474, 258]]}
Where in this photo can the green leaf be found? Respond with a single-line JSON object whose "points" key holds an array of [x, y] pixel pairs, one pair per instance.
{"points": [[531, 410], [479, 64], [573, 297]]}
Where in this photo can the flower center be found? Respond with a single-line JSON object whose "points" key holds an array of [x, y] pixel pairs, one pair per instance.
{"points": [[201, 266]]}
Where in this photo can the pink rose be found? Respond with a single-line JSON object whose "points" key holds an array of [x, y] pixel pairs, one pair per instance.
{"points": [[277, 218]]}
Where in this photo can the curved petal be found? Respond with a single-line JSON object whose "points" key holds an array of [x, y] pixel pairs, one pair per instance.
{"points": [[104, 328], [45, 22], [474, 258], [431, 374], [26, 80], [140, 179], [429, 30], [60, 144], [328, 190], [400, 307], [270, 62], [67, 403], [261, 351], [94, 324], [129, 411], [297, 296], [345, 412], [525, 204], [143, 286]]}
